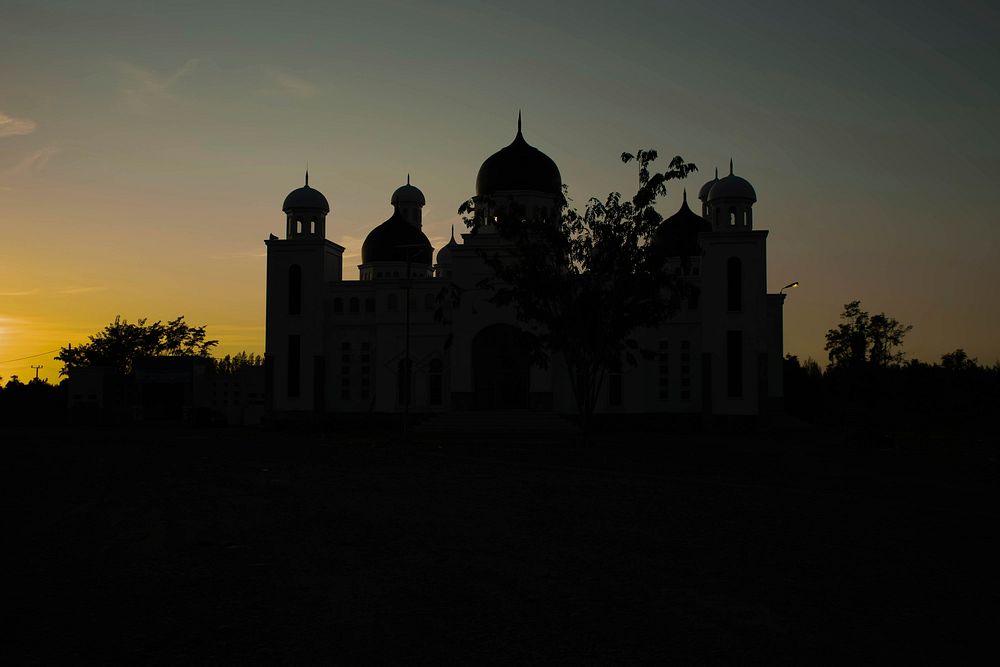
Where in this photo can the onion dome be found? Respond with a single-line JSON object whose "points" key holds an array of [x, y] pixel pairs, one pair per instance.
{"points": [[396, 240], [519, 166], [444, 254], [732, 187], [407, 194], [677, 236], [305, 197], [705, 189]]}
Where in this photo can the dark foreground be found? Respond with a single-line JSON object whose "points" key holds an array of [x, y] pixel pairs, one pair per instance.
{"points": [[228, 546]]}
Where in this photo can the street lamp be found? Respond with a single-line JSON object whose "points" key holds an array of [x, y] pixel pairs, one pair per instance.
{"points": [[412, 249], [788, 286]]}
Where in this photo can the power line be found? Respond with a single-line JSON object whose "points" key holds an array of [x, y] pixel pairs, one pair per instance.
{"points": [[30, 356]]}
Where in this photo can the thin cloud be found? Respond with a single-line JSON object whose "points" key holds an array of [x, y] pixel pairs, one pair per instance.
{"points": [[27, 292], [31, 164], [246, 254], [12, 127], [142, 88], [83, 290], [279, 82]]}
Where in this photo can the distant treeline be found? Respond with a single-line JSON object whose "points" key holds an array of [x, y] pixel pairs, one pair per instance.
{"points": [[957, 395], [40, 402]]}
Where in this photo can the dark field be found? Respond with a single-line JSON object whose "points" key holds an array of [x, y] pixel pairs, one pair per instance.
{"points": [[230, 546]]}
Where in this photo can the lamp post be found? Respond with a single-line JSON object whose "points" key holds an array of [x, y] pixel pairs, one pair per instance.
{"points": [[789, 286], [411, 249]]}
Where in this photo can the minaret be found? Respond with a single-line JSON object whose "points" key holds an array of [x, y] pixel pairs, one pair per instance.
{"points": [[305, 212], [730, 203], [409, 201], [299, 267]]}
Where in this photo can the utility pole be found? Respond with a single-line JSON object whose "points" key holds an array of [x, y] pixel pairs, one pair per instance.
{"points": [[37, 368], [412, 249]]}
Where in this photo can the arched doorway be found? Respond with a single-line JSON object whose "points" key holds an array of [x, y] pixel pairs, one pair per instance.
{"points": [[500, 368]]}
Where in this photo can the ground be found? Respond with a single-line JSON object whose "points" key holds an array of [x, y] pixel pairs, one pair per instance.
{"points": [[182, 546]]}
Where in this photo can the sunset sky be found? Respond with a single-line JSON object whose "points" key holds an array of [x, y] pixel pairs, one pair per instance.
{"points": [[146, 147]]}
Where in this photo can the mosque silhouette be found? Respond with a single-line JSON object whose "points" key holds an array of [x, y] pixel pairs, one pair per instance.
{"points": [[389, 342]]}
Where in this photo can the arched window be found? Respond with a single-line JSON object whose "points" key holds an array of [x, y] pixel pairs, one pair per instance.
{"points": [[732, 217], [392, 303], [338, 305], [435, 384], [355, 305], [370, 304], [294, 289], [734, 284]]}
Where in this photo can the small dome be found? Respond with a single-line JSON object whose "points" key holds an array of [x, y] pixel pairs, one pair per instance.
{"points": [[732, 187], [519, 166], [444, 254], [384, 243], [705, 189], [306, 197], [407, 194], [677, 236]]}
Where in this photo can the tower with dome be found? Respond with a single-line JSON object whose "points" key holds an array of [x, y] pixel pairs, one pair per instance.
{"points": [[397, 339]]}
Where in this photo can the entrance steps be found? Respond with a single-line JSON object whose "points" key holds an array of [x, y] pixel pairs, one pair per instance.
{"points": [[496, 424]]}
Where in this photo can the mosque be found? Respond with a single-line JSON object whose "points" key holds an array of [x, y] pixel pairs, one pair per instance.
{"points": [[395, 340]]}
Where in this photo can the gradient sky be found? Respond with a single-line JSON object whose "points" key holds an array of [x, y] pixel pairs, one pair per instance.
{"points": [[146, 147]]}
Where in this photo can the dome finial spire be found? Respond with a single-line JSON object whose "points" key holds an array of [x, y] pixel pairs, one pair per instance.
{"points": [[519, 121], [730, 166], [716, 173], [407, 179], [452, 233], [685, 195], [307, 174]]}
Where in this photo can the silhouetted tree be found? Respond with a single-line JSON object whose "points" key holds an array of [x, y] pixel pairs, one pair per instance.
{"points": [[231, 364], [120, 343], [585, 282], [958, 361], [865, 340]]}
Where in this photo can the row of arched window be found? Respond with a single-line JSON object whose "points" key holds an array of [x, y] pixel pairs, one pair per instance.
{"points": [[298, 226], [353, 305]]}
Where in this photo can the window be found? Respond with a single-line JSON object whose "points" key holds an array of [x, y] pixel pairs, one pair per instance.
{"points": [[693, 298], [294, 289], [345, 371], [685, 370], [338, 305], [732, 217], [355, 305], [664, 361], [615, 386], [366, 371], [734, 284], [370, 304], [434, 381], [734, 363], [294, 365]]}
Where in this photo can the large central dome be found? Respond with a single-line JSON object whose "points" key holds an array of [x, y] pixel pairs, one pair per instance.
{"points": [[396, 240], [519, 166]]}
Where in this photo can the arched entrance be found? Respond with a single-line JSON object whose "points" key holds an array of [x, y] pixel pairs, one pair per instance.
{"points": [[500, 368]]}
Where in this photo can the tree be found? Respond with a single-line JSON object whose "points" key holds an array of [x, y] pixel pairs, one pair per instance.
{"points": [[231, 364], [958, 361], [865, 340], [584, 283], [120, 343]]}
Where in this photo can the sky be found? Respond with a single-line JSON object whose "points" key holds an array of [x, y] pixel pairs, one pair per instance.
{"points": [[146, 147]]}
